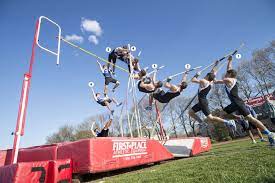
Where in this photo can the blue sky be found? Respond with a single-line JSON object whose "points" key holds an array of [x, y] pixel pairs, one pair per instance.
{"points": [[170, 33]]}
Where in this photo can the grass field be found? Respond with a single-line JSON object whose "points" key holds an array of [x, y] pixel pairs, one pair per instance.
{"points": [[236, 161]]}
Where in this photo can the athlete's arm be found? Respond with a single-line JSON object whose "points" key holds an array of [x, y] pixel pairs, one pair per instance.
{"points": [[100, 66], [94, 96], [195, 79], [184, 77], [215, 68], [229, 64]]}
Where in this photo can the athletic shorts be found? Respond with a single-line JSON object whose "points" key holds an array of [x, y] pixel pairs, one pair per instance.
{"points": [[103, 133], [202, 106], [102, 102], [165, 97], [109, 80], [112, 57], [237, 107]]}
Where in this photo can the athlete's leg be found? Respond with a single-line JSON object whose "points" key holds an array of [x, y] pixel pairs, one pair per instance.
{"points": [[107, 104], [108, 124], [116, 102], [193, 115], [115, 86], [105, 89], [251, 136], [261, 126], [260, 134], [256, 122]]}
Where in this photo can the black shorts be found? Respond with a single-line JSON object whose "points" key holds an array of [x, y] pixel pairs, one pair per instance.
{"points": [[202, 106], [102, 102], [109, 80], [112, 57], [237, 107], [165, 97], [103, 133]]}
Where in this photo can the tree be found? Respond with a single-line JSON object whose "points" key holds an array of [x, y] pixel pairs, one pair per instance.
{"points": [[65, 133]]}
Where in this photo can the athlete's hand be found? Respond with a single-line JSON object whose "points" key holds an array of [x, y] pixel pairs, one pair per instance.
{"points": [[168, 79], [230, 58]]}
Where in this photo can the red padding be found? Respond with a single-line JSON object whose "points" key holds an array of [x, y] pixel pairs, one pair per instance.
{"points": [[105, 154], [40, 171], [38, 153], [201, 144]]}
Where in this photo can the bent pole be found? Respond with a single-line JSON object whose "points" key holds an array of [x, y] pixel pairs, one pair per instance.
{"points": [[92, 54]]}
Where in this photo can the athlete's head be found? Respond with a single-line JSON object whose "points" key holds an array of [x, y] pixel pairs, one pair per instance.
{"points": [[183, 85], [97, 94], [231, 73], [125, 47], [210, 76], [158, 84], [104, 66], [142, 73]]}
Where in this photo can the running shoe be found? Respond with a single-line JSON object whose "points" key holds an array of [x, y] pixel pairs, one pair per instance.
{"points": [[263, 140], [271, 139], [119, 104]]}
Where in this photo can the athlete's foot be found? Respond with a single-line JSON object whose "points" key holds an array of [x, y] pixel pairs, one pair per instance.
{"points": [[148, 108], [112, 112], [263, 140], [271, 139], [254, 142], [119, 104]]}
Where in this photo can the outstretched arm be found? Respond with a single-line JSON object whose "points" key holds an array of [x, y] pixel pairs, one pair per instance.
{"points": [[229, 63], [195, 78], [184, 77], [94, 96], [215, 67], [100, 66]]}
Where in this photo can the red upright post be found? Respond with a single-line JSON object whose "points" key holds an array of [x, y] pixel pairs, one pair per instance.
{"points": [[21, 118]]}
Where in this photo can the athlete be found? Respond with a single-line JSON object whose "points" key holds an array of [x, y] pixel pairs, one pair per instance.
{"points": [[205, 85], [121, 53], [148, 84], [108, 78], [173, 92], [105, 101], [237, 104], [105, 130]]}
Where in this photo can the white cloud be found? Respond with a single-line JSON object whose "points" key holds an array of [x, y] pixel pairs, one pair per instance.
{"points": [[74, 38], [91, 26], [93, 39]]}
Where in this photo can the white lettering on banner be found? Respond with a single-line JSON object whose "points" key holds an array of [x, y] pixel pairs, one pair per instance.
{"points": [[204, 142], [128, 148]]}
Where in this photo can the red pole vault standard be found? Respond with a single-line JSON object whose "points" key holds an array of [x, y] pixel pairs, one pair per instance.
{"points": [[21, 118]]}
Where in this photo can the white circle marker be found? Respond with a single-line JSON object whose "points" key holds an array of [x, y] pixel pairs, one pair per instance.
{"points": [[91, 84], [154, 66], [108, 49], [187, 66], [238, 56], [133, 48]]}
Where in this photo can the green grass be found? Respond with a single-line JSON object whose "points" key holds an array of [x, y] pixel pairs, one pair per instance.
{"points": [[237, 161]]}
